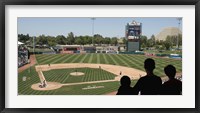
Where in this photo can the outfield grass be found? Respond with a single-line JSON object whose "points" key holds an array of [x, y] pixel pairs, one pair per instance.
{"points": [[62, 75], [134, 61]]}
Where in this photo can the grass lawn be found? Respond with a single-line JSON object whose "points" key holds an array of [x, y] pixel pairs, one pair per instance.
{"points": [[62, 75], [134, 61], [24, 87]]}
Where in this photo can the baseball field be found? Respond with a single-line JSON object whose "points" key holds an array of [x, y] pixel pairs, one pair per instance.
{"points": [[85, 74]]}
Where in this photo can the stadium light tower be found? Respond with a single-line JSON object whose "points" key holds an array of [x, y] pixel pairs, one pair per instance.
{"points": [[179, 22], [93, 30], [34, 44]]}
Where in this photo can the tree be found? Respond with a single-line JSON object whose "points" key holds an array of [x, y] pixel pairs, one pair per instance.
{"points": [[42, 39], [60, 39], [174, 40], [180, 39], [143, 41], [70, 38], [124, 40], [114, 41], [162, 47], [158, 42], [167, 45], [153, 40], [51, 41], [143, 45], [87, 39], [78, 40], [107, 40], [161, 42], [169, 42], [157, 47], [98, 39], [24, 38], [149, 43]]}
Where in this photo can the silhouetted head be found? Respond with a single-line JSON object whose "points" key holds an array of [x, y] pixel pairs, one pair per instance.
{"points": [[125, 81], [170, 71], [149, 64]]}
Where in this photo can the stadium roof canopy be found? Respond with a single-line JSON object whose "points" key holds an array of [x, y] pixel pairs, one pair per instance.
{"points": [[20, 43]]}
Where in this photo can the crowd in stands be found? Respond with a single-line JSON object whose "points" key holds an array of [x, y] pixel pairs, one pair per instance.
{"points": [[23, 56], [152, 84]]}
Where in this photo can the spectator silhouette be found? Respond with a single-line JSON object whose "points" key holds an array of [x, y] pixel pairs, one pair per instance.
{"points": [[172, 86], [125, 88], [149, 84]]}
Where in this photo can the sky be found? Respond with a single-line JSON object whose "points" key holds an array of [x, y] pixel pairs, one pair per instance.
{"points": [[105, 26]]}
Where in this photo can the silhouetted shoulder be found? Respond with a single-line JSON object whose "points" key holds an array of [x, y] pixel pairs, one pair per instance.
{"points": [[125, 90], [148, 85], [173, 82], [172, 87], [153, 78]]}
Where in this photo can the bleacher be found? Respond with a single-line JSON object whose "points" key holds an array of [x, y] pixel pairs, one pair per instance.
{"points": [[22, 56]]}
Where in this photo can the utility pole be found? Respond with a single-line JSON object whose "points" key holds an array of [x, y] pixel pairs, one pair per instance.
{"points": [[33, 44], [179, 22], [93, 30]]}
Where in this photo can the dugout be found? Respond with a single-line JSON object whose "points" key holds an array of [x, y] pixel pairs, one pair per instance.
{"points": [[89, 49], [70, 48], [75, 48]]}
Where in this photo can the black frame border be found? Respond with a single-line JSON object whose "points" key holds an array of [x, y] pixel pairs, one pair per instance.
{"points": [[3, 3]]}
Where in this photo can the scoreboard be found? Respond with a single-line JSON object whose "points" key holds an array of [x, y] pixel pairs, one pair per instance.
{"points": [[133, 33]]}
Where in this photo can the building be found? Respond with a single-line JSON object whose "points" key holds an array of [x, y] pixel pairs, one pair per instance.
{"points": [[133, 32], [70, 49], [107, 49]]}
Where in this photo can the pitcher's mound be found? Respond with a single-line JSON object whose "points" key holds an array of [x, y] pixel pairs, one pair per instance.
{"points": [[50, 86], [77, 73]]}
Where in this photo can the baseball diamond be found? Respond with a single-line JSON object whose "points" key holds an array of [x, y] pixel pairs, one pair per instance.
{"points": [[100, 73]]}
